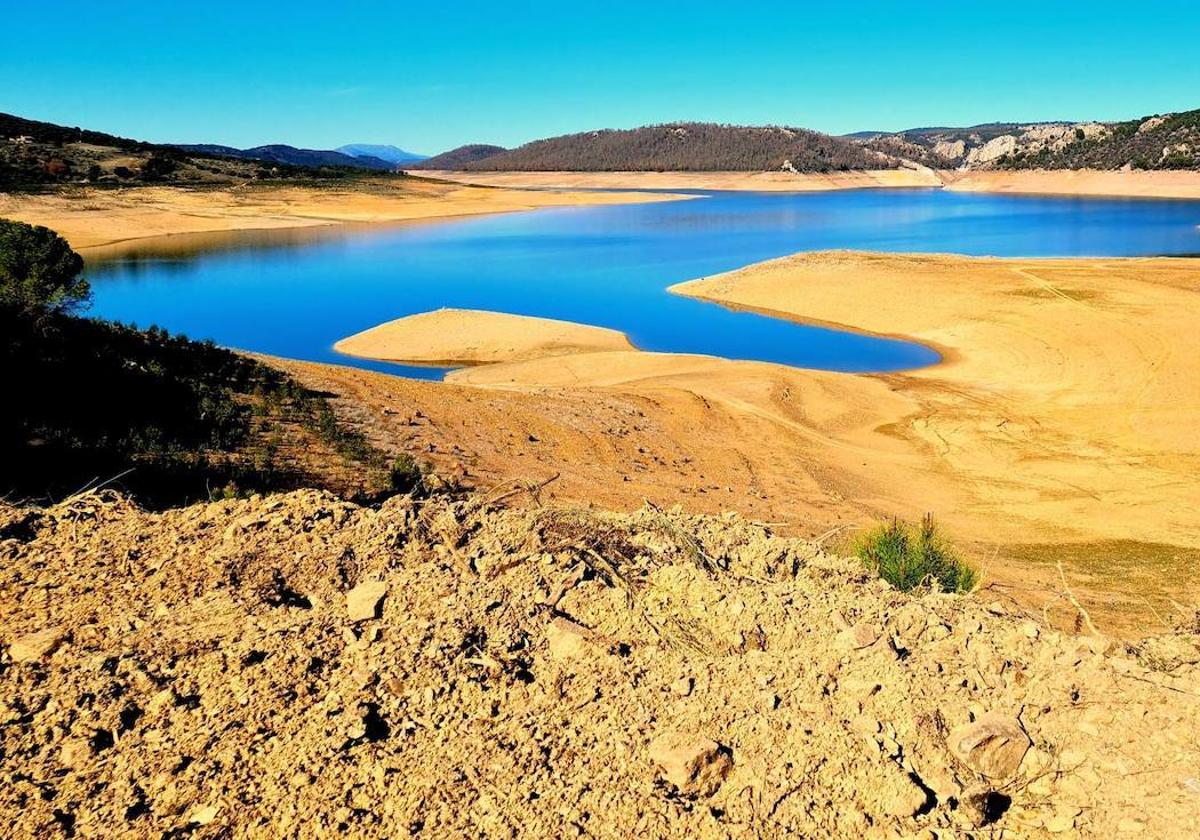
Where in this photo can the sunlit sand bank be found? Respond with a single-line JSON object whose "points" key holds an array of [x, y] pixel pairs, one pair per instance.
{"points": [[464, 336], [91, 217], [1138, 184], [1063, 413], [747, 181]]}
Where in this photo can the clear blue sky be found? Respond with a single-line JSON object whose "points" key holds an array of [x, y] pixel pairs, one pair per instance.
{"points": [[320, 74]]}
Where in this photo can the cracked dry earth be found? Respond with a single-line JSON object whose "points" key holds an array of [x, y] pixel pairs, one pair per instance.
{"points": [[300, 666]]}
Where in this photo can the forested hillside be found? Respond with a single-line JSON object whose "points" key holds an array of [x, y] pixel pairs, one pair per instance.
{"points": [[689, 147], [460, 157]]}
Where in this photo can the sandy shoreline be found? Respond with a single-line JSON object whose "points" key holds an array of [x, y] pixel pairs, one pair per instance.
{"points": [[1064, 414], [91, 217], [1135, 184], [1138, 184], [738, 181]]}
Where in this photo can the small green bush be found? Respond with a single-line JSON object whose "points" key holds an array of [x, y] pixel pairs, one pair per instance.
{"points": [[908, 556], [405, 473]]}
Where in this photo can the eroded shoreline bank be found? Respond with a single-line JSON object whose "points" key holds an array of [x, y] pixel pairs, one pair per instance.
{"points": [[1068, 396], [1096, 183], [91, 218]]}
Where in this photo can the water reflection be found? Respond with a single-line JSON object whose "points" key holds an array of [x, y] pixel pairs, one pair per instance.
{"points": [[294, 292]]}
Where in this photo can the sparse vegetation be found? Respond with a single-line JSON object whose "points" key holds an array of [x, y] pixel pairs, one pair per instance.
{"points": [[908, 556], [405, 473], [177, 420]]}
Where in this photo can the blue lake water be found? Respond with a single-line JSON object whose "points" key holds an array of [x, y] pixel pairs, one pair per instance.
{"points": [[294, 293]]}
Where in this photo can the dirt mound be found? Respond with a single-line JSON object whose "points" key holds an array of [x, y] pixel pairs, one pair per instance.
{"points": [[300, 666]]}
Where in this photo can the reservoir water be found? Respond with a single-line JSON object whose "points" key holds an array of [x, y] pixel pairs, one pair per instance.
{"points": [[294, 293]]}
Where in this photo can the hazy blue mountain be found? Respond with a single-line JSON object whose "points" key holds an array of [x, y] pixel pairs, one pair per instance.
{"points": [[278, 153], [391, 154]]}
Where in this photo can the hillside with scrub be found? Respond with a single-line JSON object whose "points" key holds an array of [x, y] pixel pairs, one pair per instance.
{"points": [[687, 147], [265, 626]]}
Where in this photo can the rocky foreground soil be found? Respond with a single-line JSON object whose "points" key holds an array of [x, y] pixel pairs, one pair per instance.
{"points": [[300, 666]]}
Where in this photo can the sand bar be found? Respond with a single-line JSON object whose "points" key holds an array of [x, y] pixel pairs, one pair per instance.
{"points": [[468, 336]]}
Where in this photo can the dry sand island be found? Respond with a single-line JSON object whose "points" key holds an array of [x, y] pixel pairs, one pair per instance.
{"points": [[463, 336]]}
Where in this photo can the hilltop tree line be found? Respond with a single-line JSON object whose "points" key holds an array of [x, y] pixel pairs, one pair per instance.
{"points": [[688, 147]]}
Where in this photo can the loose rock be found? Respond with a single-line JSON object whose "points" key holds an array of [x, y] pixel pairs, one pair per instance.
{"points": [[992, 746], [694, 764], [362, 602], [35, 646], [568, 639]]}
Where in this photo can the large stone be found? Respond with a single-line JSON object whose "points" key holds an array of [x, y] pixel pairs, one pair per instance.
{"points": [[362, 602], [568, 640], [992, 746], [694, 764], [895, 793], [35, 646]]}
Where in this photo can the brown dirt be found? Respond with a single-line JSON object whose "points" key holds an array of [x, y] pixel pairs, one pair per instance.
{"points": [[548, 672]]}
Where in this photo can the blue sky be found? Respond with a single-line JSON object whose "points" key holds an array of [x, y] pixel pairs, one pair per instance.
{"points": [[431, 76]]}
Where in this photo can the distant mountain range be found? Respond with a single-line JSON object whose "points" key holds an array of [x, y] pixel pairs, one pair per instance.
{"points": [[1167, 141], [279, 153], [35, 153], [391, 154]]}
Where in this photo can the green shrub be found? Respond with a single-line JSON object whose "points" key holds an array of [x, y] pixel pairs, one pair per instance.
{"points": [[405, 473], [908, 556]]}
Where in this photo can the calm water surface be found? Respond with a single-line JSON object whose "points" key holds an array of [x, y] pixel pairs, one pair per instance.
{"points": [[294, 293]]}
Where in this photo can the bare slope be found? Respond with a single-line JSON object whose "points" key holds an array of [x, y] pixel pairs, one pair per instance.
{"points": [[296, 665]]}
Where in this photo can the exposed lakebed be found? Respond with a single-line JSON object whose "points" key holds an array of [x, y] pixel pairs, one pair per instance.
{"points": [[295, 292]]}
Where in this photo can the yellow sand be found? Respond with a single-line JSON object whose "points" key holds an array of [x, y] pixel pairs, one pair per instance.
{"points": [[1068, 403], [467, 336], [1134, 184], [749, 181], [1166, 184], [91, 217], [1069, 389], [1064, 412]]}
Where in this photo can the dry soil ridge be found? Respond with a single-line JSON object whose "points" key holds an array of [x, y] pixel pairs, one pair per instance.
{"points": [[297, 665]]}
